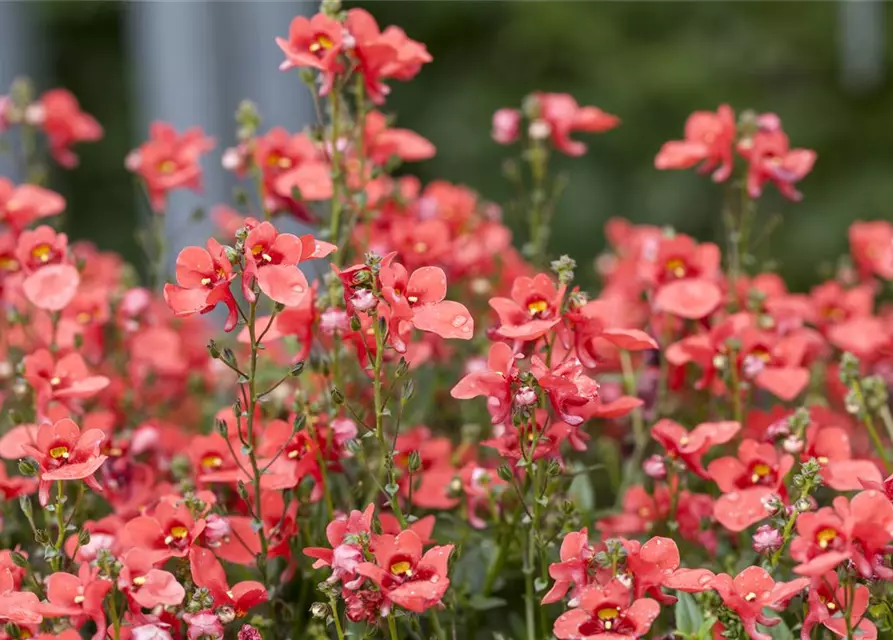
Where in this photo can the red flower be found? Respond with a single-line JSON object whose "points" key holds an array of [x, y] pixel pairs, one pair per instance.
{"points": [[64, 453], [577, 556], [383, 54], [495, 382], [746, 481], [204, 278], [772, 159], [346, 538], [315, 43], [591, 325], [64, 379], [382, 143], [533, 309], [404, 575], [146, 586], [419, 297], [563, 116], [690, 447], [17, 607], [169, 532], [78, 597], [169, 161], [21, 205], [750, 592], [506, 125], [570, 392], [871, 245], [607, 612], [208, 572], [271, 260], [830, 604], [708, 140], [59, 115], [51, 281], [641, 509], [830, 446]]}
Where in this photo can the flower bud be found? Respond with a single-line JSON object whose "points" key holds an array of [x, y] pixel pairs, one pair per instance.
{"points": [[793, 444], [296, 369], [767, 539], [337, 396], [213, 349], [27, 468], [18, 559], [525, 397], [363, 300], [320, 610], [539, 130], [332, 320], [506, 125], [655, 467], [247, 632], [415, 461]]}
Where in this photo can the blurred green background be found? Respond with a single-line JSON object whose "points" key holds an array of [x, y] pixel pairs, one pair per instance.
{"points": [[651, 63]]}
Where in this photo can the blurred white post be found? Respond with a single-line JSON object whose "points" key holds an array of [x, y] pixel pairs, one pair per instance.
{"points": [[862, 44], [18, 57], [173, 48]]}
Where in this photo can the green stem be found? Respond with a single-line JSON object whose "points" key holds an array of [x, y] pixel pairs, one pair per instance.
{"points": [[113, 614], [640, 435], [538, 160], [735, 391], [56, 561], [252, 454], [337, 618], [435, 622], [869, 424], [337, 169], [392, 627]]}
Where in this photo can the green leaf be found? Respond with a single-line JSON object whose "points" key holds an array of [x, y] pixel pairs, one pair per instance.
{"points": [[688, 615], [481, 603], [581, 492], [779, 631]]}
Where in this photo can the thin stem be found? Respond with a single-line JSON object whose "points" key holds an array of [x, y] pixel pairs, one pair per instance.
{"points": [[56, 560], [735, 391], [869, 424], [113, 614], [337, 618], [392, 627], [252, 454], [337, 169], [887, 419], [640, 436]]}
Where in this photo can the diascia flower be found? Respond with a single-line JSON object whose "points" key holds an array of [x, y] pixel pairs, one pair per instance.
{"points": [[60, 117], [314, 43], [533, 309], [77, 597], [17, 607], [746, 481], [406, 576], [494, 382], [208, 572], [419, 298], [772, 160], [146, 586], [830, 604], [690, 446], [169, 160], [750, 592], [204, 278], [64, 453], [562, 115], [21, 205], [709, 138], [65, 379], [51, 281], [607, 612]]}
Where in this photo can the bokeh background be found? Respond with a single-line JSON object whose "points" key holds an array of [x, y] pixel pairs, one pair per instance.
{"points": [[824, 67]]}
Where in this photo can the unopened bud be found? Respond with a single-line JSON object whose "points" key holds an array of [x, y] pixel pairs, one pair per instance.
{"points": [[655, 467], [525, 397], [539, 130], [337, 397], [226, 614], [296, 369], [320, 610], [767, 539], [415, 461], [793, 444], [27, 468], [18, 559], [213, 349], [504, 472]]}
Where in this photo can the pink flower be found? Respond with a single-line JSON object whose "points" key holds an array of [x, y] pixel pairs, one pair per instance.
{"points": [[61, 119], [772, 160], [51, 281], [204, 624], [64, 453], [708, 140], [607, 612], [564, 116], [314, 43], [65, 379], [506, 125], [21, 205], [533, 309], [204, 278], [271, 260], [169, 161], [495, 382]]}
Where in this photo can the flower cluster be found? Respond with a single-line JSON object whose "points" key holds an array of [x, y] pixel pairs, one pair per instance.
{"points": [[413, 422]]}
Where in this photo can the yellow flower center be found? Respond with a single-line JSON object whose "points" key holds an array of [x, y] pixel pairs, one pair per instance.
{"points": [[179, 532], [322, 43], [167, 166], [83, 317], [401, 568], [59, 452], [675, 267], [212, 462], [139, 581], [825, 537], [750, 597], [608, 616], [8, 264], [537, 307], [42, 252], [760, 471]]}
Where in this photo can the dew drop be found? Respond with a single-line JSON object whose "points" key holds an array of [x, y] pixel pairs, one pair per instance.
{"points": [[459, 321], [435, 578], [733, 497], [704, 580]]}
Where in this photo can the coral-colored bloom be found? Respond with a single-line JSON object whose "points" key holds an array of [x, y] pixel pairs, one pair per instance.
{"points": [[871, 245], [495, 382], [64, 453], [570, 392], [750, 592], [419, 298], [21, 205], [563, 116], [64, 379], [78, 597], [314, 43], [271, 260], [690, 446], [383, 54], [772, 159], [145, 585], [607, 612], [533, 309], [169, 532], [51, 280], [17, 607], [406, 576], [208, 572], [60, 117], [830, 604], [708, 140], [746, 481], [204, 278], [169, 160]]}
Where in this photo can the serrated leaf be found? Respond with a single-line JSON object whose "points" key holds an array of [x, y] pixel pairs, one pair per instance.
{"points": [[688, 615]]}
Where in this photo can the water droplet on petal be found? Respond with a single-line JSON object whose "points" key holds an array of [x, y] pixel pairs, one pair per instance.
{"points": [[297, 288], [704, 580], [459, 321], [435, 578], [733, 497]]}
